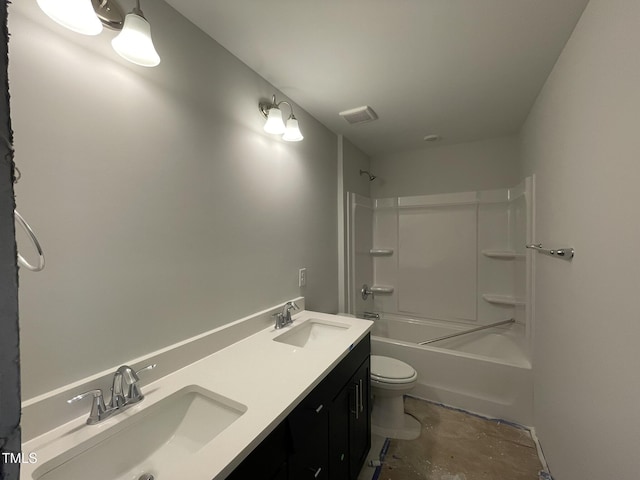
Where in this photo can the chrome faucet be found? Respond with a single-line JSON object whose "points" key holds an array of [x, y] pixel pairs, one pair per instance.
{"points": [[283, 319], [125, 392], [117, 393], [124, 388]]}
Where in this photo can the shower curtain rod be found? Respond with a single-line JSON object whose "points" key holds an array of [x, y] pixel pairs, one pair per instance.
{"points": [[477, 329]]}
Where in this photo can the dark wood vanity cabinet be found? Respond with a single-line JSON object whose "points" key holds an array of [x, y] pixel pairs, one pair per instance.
{"points": [[328, 435], [331, 427], [359, 420], [268, 460], [308, 426], [350, 426]]}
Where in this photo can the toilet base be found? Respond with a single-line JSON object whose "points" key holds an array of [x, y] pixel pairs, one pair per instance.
{"points": [[389, 420], [409, 431]]}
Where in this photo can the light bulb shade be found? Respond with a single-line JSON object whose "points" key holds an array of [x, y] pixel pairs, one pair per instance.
{"points": [[274, 123], [76, 15], [292, 133], [134, 43]]}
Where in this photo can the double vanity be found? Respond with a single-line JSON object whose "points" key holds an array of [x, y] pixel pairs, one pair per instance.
{"points": [[286, 403]]}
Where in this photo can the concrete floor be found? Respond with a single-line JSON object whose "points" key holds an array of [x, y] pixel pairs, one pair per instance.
{"points": [[456, 445]]}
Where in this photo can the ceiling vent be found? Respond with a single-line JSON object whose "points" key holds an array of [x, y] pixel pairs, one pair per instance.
{"points": [[359, 115]]}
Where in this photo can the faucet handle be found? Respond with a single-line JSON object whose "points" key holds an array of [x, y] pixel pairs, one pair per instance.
{"points": [[98, 409], [134, 394], [97, 394], [291, 306], [129, 375], [147, 368]]}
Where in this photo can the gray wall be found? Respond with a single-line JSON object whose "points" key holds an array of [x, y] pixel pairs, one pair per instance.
{"points": [[581, 141], [163, 208], [353, 160], [464, 167], [9, 348]]}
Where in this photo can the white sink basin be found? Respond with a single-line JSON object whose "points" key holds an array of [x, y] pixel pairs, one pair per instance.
{"points": [[313, 332], [150, 442]]}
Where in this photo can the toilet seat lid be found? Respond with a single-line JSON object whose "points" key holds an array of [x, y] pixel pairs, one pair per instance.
{"points": [[390, 369]]}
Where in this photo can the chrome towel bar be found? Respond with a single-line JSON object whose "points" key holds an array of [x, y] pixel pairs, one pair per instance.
{"points": [[458, 334], [32, 236], [565, 253]]}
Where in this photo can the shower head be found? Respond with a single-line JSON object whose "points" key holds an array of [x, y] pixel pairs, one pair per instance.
{"points": [[371, 177]]}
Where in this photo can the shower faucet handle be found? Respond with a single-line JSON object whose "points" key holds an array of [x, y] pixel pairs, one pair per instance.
{"points": [[366, 291]]}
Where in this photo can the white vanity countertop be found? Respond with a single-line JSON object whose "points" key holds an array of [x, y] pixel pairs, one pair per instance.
{"points": [[266, 376]]}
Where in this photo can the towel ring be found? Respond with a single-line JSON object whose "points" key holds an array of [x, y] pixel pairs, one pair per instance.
{"points": [[25, 226]]}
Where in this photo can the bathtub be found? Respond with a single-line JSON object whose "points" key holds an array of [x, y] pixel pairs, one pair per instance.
{"points": [[486, 372]]}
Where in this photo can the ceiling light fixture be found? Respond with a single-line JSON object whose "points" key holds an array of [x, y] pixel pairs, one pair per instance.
{"points": [[275, 125], [88, 16]]}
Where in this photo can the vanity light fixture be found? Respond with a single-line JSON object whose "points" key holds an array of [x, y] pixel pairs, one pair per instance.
{"points": [[134, 42], [76, 15], [88, 16], [275, 125]]}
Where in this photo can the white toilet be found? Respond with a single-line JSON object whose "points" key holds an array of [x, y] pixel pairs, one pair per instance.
{"points": [[390, 380]]}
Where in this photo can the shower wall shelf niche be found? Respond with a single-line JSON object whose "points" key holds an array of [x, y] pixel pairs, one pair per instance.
{"points": [[381, 252], [503, 299], [503, 254]]}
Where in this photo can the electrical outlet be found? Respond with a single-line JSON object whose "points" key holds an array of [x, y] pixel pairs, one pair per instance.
{"points": [[302, 277]]}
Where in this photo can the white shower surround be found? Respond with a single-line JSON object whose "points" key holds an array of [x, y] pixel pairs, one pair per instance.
{"points": [[453, 254], [488, 372]]}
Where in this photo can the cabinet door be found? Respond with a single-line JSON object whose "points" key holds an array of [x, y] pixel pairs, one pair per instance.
{"points": [[350, 426], [360, 420], [309, 446], [339, 434], [268, 460], [309, 428], [282, 474]]}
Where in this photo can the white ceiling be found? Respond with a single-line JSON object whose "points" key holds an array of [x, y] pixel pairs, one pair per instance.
{"points": [[463, 69]]}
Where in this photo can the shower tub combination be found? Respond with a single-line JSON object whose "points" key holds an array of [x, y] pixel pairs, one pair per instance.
{"points": [[487, 372]]}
